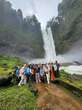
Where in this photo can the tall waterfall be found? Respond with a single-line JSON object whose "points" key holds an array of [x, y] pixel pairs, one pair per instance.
{"points": [[49, 47], [50, 52]]}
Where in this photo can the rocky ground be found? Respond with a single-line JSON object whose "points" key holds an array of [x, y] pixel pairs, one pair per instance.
{"points": [[51, 97]]}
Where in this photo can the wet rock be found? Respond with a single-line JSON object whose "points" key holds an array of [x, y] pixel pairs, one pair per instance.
{"points": [[5, 80]]}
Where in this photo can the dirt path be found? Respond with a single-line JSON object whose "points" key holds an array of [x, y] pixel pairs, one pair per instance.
{"points": [[52, 97]]}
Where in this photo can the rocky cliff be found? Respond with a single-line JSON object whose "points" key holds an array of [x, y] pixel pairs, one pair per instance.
{"points": [[19, 36], [67, 26]]}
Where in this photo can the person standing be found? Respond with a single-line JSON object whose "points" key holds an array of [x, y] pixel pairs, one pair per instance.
{"points": [[22, 76], [27, 72], [16, 70], [37, 74], [52, 72], [33, 72], [47, 72], [57, 67], [41, 73]]}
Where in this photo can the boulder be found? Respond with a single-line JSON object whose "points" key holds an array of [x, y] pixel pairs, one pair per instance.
{"points": [[5, 80]]}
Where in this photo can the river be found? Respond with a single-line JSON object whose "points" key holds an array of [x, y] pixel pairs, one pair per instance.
{"points": [[73, 69]]}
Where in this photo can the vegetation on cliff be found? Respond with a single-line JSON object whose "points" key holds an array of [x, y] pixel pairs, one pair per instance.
{"points": [[7, 63], [75, 80]]}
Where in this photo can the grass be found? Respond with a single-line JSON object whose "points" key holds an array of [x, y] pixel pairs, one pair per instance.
{"points": [[76, 83], [16, 98], [65, 77], [7, 63]]}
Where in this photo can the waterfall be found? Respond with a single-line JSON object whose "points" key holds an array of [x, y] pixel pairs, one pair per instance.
{"points": [[49, 47], [50, 52]]}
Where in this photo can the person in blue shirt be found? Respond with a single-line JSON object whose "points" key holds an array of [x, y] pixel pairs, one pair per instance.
{"points": [[16, 70], [27, 72]]}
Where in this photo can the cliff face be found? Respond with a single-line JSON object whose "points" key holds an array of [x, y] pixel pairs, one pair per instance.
{"points": [[19, 36], [67, 26]]}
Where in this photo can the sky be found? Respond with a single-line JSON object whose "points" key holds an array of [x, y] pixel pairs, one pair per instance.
{"points": [[43, 9]]}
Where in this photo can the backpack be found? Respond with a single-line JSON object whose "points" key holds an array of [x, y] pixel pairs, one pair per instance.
{"points": [[27, 71]]}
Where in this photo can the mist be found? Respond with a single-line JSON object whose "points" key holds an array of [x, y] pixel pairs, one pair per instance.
{"points": [[75, 53]]}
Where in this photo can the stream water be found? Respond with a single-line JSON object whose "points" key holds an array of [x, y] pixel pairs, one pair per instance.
{"points": [[73, 69]]}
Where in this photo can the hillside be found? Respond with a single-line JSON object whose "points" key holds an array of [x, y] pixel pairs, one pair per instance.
{"points": [[67, 26], [19, 36]]}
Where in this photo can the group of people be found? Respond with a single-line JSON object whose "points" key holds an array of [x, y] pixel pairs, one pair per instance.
{"points": [[37, 73]]}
